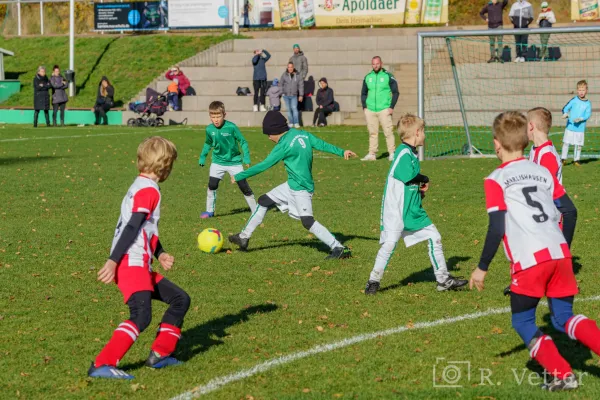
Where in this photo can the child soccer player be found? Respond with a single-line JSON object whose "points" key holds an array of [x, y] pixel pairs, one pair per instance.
{"points": [[576, 112], [225, 138], [519, 199], [295, 148], [173, 96], [402, 213], [130, 266]]}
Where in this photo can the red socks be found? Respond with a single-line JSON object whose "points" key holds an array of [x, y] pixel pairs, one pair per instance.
{"points": [[166, 339], [545, 352], [584, 330], [122, 339]]}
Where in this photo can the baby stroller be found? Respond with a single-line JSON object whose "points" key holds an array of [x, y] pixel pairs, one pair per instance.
{"points": [[150, 111]]}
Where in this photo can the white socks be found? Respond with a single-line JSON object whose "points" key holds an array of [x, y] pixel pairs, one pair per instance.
{"points": [[577, 152], [381, 261], [211, 200], [324, 235], [255, 220], [565, 151], [251, 202]]}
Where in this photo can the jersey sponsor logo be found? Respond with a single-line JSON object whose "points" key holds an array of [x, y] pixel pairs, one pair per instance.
{"points": [[299, 139]]}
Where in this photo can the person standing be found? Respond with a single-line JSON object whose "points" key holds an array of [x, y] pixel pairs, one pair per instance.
{"points": [[492, 14], [300, 62], [521, 15], [259, 77], [545, 20], [41, 101], [379, 97], [292, 87], [59, 96]]}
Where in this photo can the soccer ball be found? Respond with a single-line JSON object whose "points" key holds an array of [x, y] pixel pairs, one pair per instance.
{"points": [[210, 240]]}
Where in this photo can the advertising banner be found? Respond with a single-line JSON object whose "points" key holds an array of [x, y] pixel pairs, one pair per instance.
{"points": [[139, 16], [200, 13], [256, 13], [584, 10]]}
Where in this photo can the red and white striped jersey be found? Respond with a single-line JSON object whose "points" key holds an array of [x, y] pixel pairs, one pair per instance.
{"points": [[143, 196], [526, 192], [547, 156]]}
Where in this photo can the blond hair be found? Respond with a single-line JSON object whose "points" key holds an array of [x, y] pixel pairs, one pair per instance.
{"points": [[156, 155], [582, 83], [510, 129], [216, 107], [541, 118], [408, 125]]}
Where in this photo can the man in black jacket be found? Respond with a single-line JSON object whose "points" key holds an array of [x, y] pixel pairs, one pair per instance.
{"points": [[493, 18]]}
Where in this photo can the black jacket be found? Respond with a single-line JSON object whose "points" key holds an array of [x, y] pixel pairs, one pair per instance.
{"points": [[59, 86], [325, 97], [41, 97], [108, 100], [494, 13], [259, 62]]}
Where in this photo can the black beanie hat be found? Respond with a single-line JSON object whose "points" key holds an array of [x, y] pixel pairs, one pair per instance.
{"points": [[274, 123]]}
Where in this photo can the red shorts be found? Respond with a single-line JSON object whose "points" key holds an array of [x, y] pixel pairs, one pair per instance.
{"points": [[553, 278], [135, 279]]}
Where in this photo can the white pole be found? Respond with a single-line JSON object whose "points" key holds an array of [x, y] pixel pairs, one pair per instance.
{"points": [[236, 17], [19, 17], [42, 17], [72, 44]]}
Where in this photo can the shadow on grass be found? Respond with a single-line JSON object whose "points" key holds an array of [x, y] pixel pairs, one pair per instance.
{"points": [[312, 243], [14, 75], [25, 160], [235, 211], [585, 161], [87, 78], [384, 155], [576, 264], [425, 275]]}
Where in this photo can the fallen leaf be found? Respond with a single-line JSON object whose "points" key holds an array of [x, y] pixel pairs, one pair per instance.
{"points": [[306, 390], [320, 328], [135, 386], [496, 330], [250, 290], [315, 268]]}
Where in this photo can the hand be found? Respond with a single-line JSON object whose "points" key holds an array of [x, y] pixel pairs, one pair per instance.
{"points": [[486, 20], [300, 98], [93, 109], [232, 179], [424, 187], [247, 166], [166, 260], [320, 106], [477, 278], [391, 111], [578, 120], [565, 116], [107, 273], [348, 154]]}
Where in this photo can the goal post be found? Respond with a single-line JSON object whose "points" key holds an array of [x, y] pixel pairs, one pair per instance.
{"points": [[461, 86]]}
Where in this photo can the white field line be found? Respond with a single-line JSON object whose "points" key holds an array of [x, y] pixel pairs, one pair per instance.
{"points": [[219, 382], [90, 135]]}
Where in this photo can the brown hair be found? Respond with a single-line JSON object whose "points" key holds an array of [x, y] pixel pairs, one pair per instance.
{"points": [[408, 125], [156, 155], [541, 118], [216, 107], [582, 83], [510, 129]]}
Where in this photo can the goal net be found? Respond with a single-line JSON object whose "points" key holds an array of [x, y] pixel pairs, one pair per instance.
{"points": [[462, 87]]}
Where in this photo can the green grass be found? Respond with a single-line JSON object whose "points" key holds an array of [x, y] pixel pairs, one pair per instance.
{"points": [[60, 203], [129, 62]]}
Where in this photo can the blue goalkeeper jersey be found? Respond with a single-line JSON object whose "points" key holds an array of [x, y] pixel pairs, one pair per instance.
{"points": [[577, 109]]}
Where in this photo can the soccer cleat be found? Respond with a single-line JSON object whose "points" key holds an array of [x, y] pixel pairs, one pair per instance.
{"points": [[577, 164], [207, 214], [369, 157], [558, 385], [255, 108], [491, 60], [240, 241], [108, 371], [451, 283], [507, 291], [339, 253], [372, 288], [156, 361]]}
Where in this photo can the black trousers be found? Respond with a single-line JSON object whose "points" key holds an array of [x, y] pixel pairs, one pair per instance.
{"points": [[259, 86], [100, 113], [321, 114], [55, 108], [521, 44], [36, 113]]}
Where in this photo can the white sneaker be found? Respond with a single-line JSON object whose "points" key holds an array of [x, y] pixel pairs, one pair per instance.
{"points": [[391, 157], [290, 125], [262, 108], [255, 108], [517, 59], [522, 59], [296, 126], [369, 157]]}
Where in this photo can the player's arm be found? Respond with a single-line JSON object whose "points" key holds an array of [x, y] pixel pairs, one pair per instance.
{"points": [[243, 143], [128, 235], [569, 214], [549, 162], [273, 158], [567, 108], [587, 113], [322, 145], [208, 144]]}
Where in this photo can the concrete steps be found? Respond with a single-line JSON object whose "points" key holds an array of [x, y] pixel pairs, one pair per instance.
{"points": [[245, 103]]}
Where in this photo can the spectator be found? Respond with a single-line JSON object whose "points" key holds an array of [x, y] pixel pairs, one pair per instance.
{"points": [[173, 95], [521, 15], [325, 103], [545, 20], [104, 101], [274, 94], [41, 101], [246, 13], [492, 14], [259, 77], [59, 96], [300, 62], [184, 82], [378, 97], [292, 87]]}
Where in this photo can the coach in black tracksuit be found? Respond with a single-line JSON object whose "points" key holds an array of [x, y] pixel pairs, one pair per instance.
{"points": [[492, 14]]}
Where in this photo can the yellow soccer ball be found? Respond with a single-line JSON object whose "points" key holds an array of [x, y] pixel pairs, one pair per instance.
{"points": [[210, 240]]}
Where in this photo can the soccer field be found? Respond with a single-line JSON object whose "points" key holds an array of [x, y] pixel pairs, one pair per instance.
{"points": [[277, 322]]}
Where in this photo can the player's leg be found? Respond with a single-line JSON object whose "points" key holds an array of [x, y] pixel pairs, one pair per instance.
{"points": [[215, 176], [385, 118], [244, 187], [389, 240], [140, 310], [567, 140], [492, 40], [169, 330], [577, 147]]}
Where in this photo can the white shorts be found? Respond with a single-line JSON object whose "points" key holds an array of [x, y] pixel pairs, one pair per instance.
{"points": [[298, 203], [411, 237], [575, 138], [218, 171]]}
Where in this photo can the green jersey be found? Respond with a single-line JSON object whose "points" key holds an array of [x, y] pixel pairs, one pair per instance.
{"points": [[401, 195], [295, 148], [224, 141]]}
